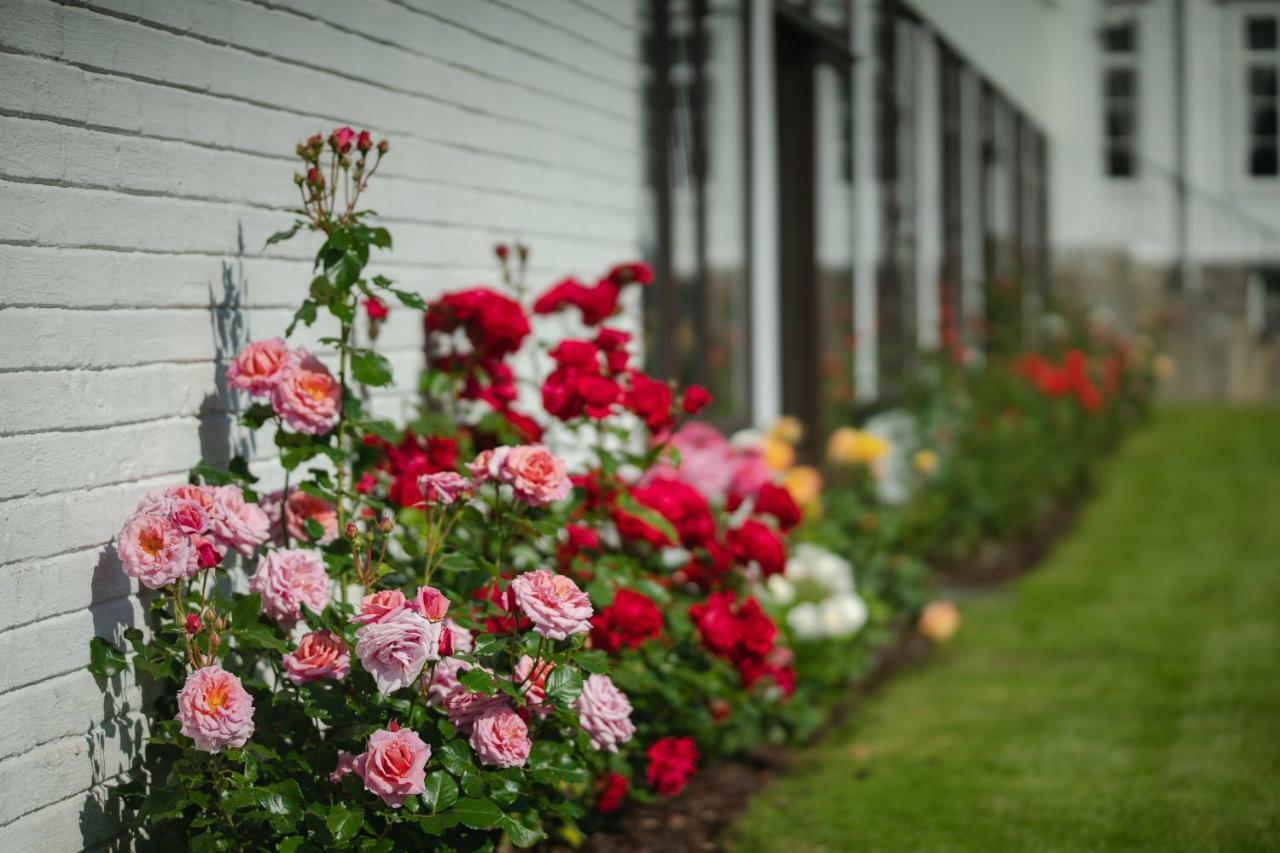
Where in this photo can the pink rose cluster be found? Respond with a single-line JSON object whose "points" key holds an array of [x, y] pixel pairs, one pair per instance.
{"points": [[175, 532], [215, 710], [397, 636], [300, 388], [393, 764], [289, 578], [535, 474], [320, 654], [604, 712], [713, 465]]}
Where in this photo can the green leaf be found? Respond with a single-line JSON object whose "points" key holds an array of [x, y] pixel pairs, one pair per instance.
{"points": [[370, 368], [410, 300], [477, 814], [593, 662], [564, 685], [520, 834], [440, 792], [213, 476], [344, 822], [457, 562], [305, 314], [478, 681], [489, 644], [281, 236], [343, 270], [314, 529], [290, 844], [105, 660], [245, 610], [456, 757], [380, 237]]}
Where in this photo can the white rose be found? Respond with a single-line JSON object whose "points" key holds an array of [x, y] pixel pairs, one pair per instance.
{"points": [[843, 615], [805, 621], [780, 589]]}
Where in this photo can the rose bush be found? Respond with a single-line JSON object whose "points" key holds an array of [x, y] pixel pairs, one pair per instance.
{"points": [[448, 632]]}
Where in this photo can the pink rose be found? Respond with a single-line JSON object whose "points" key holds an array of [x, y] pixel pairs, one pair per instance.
{"points": [[536, 474], [393, 765], [706, 459], [346, 764], [430, 603], [308, 396], [535, 683], [395, 648], [461, 638], [215, 710], [488, 465], [189, 516], [444, 679], [379, 605], [259, 367], [553, 603], [321, 654], [155, 550], [501, 739], [235, 523], [289, 578], [749, 472], [297, 509], [465, 707], [202, 495], [444, 488], [604, 712]]}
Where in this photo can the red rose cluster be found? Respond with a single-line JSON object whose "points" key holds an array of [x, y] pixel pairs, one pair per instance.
{"points": [[1069, 379], [597, 302], [774, 500], [744, 635], [408, 460], [628, 622]]}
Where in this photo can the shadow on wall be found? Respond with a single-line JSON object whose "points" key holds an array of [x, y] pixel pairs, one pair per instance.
{"points": [[115, 738]]}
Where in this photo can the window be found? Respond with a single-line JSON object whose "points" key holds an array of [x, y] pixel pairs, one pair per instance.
{"points": [[1262, 62], [1120, 98]]}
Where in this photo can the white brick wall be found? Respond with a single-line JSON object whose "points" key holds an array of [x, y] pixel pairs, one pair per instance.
{"points": [[145, 155]]}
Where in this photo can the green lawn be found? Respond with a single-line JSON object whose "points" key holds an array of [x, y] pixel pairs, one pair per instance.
{"points": [[1126, 695]]}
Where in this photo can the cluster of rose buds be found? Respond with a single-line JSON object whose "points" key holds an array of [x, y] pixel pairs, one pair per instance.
{"points": [[362, 548], [206, 620], [512, 275], [348, 166]]}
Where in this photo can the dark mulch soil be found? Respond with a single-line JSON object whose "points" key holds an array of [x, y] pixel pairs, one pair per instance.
{"points": [[715, 797]]}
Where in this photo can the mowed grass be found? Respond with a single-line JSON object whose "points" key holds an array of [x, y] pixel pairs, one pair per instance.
{"points": [[1124, 696]]}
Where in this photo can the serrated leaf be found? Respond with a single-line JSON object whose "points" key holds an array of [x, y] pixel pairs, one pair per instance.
{"points": [[478, 681], [477, 813], [456, 757], [520, 834], [344, 822], [440, 793], [594, 662], [370, 368], [306, 314], [105, 660], [410, 300], [290, 844], [564, 685], [343, 270], [245, 610]]}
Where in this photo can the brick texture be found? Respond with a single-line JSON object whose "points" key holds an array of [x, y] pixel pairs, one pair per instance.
{"points": [[146, 157]]}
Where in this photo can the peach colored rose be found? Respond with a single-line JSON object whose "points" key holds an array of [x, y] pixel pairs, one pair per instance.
{"points": [[488, 465], [155, 550], [939, 620], [396, 648], [536, 474], [501, 739], [444, 488], [289, 578], [320, 654], [215, 710], [604, 712], [377, 606], [393, 765], [553, 603], [534, 683], [430, 603], [235, 523], [297, 509], [259, 367], [307, 396]]}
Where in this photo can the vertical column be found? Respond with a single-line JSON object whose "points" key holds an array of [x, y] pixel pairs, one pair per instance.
{"points": [[866, 203], [767, 352], [928, 206]]}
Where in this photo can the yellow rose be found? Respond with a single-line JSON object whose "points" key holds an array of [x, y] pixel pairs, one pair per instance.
{"points": [[788, 429], [925, 461], [939, 620], [777, 454], [804, 484], [849, 446], [1164, 367]]}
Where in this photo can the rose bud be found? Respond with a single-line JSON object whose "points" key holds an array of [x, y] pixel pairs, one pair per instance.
{"points": [[214, 641], [193, 624], [386, 525], [501, 251], [376, 308], [383, 147], [314, 177], [207, 555], [446, 643], [364, 141], [352, 531]]}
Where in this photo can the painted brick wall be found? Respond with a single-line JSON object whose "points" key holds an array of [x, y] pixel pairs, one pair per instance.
{"points": [[145, 154]]}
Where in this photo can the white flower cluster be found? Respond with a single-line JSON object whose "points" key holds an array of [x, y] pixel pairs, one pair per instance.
{"points": [[829, 606]]}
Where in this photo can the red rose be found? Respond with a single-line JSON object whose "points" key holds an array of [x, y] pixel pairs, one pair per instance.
{"points": [[650, 400], [495, 324], [526, 427], [627, 623], [598, 395], [376, 308], [608, 339], [680, 504], [612, 792], [672, 760], [597, 303], [364, 142], [777, 501], [717, 624], [635, 529], [581, 355], [580, 539], [696, 398], [756, 541], [632, 272], [341, 138]]}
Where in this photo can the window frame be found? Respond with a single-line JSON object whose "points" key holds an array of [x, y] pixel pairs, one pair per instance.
{"points": [[1112, 62]]}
